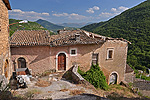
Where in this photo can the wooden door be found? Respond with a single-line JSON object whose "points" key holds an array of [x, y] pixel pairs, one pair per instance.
{"points": [[61, 61]]}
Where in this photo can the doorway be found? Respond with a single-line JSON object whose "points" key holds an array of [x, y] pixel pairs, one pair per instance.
{"points": [[21, 62], [61, 61]]}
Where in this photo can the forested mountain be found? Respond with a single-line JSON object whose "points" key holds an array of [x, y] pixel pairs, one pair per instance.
{"points": [[75, 25], [49, 25], [91, 27], [133, 25], [53, 27], [25, 26]]}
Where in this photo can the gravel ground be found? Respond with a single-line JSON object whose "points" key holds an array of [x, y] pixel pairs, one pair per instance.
{"points": [[59, 90]]}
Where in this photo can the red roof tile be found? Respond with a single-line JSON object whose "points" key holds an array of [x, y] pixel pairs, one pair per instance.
{"points": [[67, 37], [30, 38], [63, 38]]}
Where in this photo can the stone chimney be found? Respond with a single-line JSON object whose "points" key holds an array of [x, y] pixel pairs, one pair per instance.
{"points": [[77, 37]]}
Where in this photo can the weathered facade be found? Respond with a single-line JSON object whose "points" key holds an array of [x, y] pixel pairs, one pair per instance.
{"points": [[42, 52], [5, 67]]}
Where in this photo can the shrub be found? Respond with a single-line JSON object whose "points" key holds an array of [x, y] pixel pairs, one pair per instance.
{"points": [[95, 76]]}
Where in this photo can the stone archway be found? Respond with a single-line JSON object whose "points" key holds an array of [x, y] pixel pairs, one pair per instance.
{"points": [[21, 62], [113, 78], [61, 57], [61, 61]]}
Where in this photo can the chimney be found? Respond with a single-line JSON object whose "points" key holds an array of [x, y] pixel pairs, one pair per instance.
{"points": [[77, 37]]}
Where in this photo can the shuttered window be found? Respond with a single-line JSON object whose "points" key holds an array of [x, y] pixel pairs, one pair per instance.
{"points": [[95, 58]]}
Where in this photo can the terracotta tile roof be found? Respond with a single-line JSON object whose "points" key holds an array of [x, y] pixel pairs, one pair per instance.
{"points": [[30, 38], [128, 69], [68, 37], [63, 38]]}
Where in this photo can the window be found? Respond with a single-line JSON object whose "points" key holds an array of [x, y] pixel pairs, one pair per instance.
{"points": [[95, 58], [73, 52], [110, 53]]}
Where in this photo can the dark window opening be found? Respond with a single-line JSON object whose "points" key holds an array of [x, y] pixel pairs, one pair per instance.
{"points": [[73, 52], [110, 53]]}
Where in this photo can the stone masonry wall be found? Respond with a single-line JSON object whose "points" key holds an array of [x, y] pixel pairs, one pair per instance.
{"points": [[42, 58], [4, 43], [37, 58], [84, 57], [129, 77]]}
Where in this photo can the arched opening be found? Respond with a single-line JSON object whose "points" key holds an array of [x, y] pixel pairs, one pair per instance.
{"points": [[21, 62], [113, 78], [6, 67], [61, 61]]}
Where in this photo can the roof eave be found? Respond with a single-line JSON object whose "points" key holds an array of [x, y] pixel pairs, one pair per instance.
{"points": [[7, 4]]}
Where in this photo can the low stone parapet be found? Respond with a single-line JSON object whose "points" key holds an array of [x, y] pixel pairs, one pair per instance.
{"points": [[77, 78]]}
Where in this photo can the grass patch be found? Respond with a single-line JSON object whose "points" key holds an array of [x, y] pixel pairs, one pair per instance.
{"points": [[30, 94]]}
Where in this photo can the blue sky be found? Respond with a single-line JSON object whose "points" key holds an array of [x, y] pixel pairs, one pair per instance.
{"points": [[69, 11]]}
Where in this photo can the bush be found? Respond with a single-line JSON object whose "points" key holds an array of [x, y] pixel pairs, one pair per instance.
{"points": [[95, 76]]}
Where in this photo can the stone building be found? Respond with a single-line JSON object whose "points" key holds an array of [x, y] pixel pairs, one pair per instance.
{"points": [[5, 67], [40, 52]]}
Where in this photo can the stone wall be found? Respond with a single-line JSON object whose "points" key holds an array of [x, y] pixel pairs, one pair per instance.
{"points": [[142, 84], [84, 57], [76, 77], [4, 41], [129, 77], [42, 58], [37, 58]]}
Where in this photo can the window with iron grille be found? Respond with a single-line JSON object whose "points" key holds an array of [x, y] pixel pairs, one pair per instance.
{"points": [[73, 52], [95, 58]]}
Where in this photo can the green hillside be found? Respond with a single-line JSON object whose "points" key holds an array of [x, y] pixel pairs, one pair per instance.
{"points": [[49, 25], [25, 26], [133, 25], [91, 27], [53, 27]]}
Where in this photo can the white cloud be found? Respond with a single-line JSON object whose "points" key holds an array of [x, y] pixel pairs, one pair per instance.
{"points": [[29, 15], [106, 14], [61, 15], [95, 8], [91, 10], [121, 8], [71, 16], [113, 12], [113, 9]]}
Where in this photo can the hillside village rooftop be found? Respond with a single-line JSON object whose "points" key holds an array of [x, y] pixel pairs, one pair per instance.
{"points": [[63, 38]]}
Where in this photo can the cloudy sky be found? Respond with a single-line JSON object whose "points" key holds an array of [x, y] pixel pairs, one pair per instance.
{"points": [[69, 11]]}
